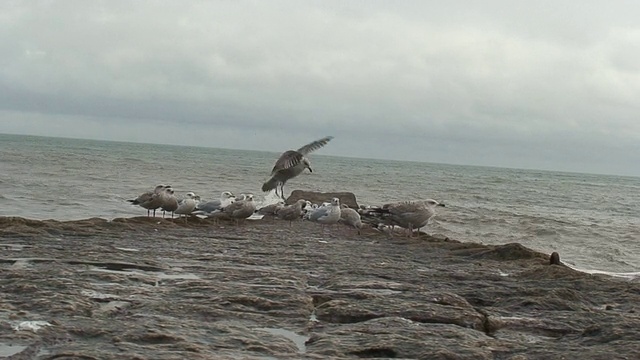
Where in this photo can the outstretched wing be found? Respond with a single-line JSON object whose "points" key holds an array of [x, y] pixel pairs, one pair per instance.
{"points": [[314, 145], [289, 158]]}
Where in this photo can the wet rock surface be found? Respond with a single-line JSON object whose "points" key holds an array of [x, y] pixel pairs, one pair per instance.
{"points": [[143, 288]]}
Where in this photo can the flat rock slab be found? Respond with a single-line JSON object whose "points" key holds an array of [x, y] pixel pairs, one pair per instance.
{"points": [[346, 198], [141, 288]]}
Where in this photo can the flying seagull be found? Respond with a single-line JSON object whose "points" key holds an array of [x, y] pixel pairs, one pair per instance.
{"points": [[291, 164]]}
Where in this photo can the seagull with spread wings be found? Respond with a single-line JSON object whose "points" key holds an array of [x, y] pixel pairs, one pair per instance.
{"points": [[291, 164]]}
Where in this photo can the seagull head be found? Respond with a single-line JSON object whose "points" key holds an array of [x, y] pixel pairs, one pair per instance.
{"points": [[307, 164], [159, 188], [226, 195], [433, 203]]}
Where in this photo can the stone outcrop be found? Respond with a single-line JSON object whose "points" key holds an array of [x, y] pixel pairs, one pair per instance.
{"points": [[142, 288], [346, 198]]}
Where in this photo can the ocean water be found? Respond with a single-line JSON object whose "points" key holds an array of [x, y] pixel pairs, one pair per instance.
{"points": [[593, 221]]}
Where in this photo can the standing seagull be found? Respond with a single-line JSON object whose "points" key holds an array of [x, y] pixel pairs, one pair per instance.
{"points": [[150, 200], [214, 206], [239, 210], [409, 214], [271, 209], [327, 215], [187, 205], [291, 164], [350, 217], [292, 212], [169, 202]]}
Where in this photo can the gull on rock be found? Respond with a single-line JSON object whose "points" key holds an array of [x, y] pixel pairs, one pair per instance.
{"points": [[408, 214], [150, 200], [327, 215], [187, 205], [169, 201], [211, 207], [350, 217], [309, 209], [292, 212], [291, 164], [239, 210], [271, 209]]}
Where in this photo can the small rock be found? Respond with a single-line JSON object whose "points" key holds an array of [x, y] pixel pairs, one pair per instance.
{"points": [[346, 198]]}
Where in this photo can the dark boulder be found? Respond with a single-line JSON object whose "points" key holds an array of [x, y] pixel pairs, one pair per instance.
{"points": [[315, 197]]}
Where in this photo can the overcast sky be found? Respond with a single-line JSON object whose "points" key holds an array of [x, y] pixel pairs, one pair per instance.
{"points": [[538, 84]]}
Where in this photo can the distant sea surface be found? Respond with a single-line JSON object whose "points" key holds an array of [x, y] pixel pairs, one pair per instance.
{"points": [[593, 221]]}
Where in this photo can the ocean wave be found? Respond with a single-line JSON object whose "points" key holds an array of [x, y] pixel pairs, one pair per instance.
{"points": [[624, 275], [566, 213], [544, 232]]}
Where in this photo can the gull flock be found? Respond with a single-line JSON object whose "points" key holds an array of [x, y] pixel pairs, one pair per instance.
{"points": [[408, 216]]}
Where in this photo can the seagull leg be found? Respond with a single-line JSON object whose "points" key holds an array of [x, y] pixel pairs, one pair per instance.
{"points": [[389, 231]]}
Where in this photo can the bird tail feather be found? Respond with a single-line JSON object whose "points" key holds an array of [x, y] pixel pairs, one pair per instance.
{"points": [[270, 185]]}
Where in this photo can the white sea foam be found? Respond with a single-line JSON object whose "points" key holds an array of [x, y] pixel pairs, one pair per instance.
{"points": [[624, 275], [30, 325]]}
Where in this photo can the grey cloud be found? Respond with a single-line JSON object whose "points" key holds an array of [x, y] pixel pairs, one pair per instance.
{"points": [[477, 82]]}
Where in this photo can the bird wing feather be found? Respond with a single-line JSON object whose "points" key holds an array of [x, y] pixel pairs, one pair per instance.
{"points": [[210, 206], [315, 145], [288, 159], [404, 207], [319, 213], [235, 206]]}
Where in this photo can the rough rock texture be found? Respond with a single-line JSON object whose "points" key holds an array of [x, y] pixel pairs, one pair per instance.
{"points": [[346, 198], [142, 288]]}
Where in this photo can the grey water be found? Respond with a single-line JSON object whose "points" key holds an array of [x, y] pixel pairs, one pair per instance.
{"points": [[591, 220]]}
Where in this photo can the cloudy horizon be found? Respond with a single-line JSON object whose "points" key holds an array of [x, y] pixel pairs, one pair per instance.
{"points": [[544, 85]]}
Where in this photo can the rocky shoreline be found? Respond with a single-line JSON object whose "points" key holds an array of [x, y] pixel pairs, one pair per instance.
{"points": [[150, 288]]}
